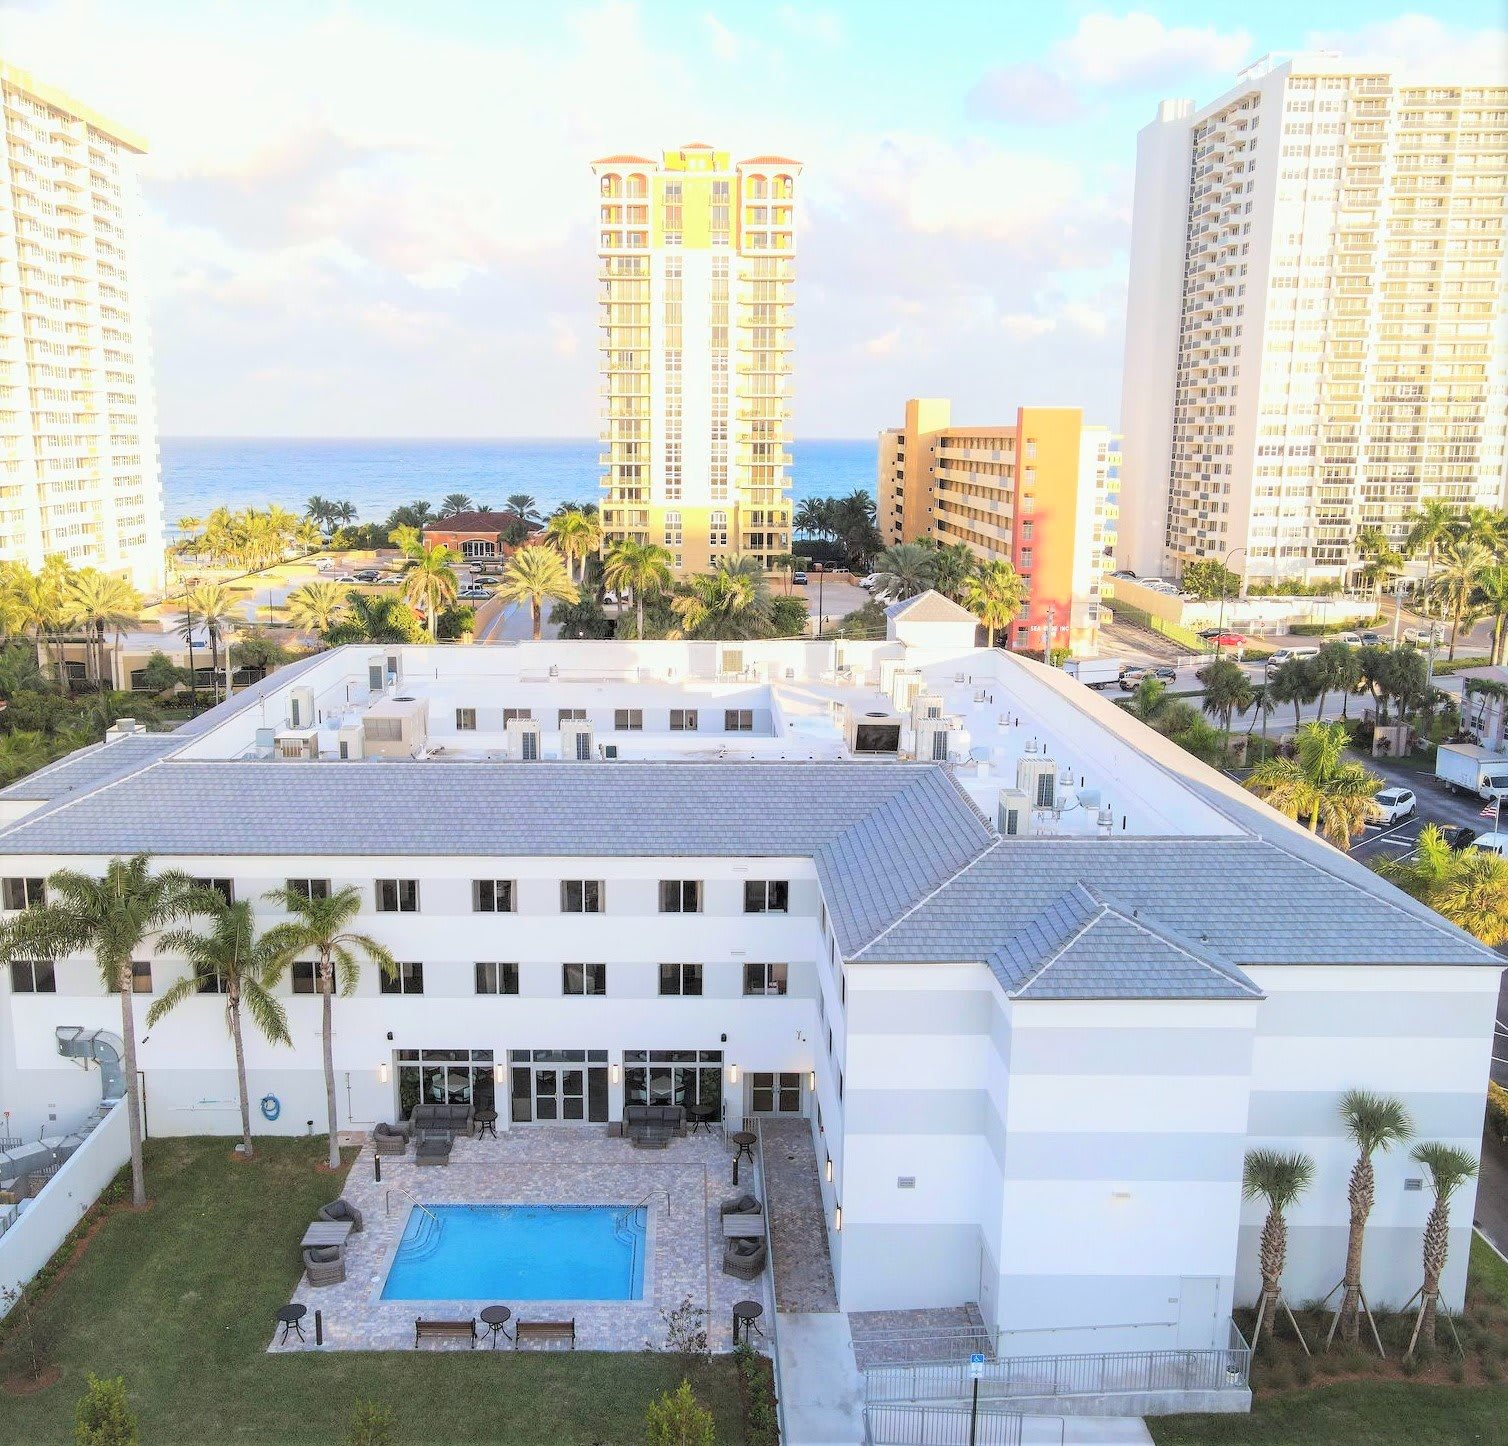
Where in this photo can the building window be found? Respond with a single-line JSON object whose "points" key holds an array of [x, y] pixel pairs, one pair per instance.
{"points": [[683, 720], [223, 887], [628, 720], [767, 896], [408, 978], [303, 976], [583, 978], [397, 896], [309, 888], [492, 896], [24, 893], [738, 720], [465, 720], [517, 715], [141, 976], [211, 983], [775, 1094], [496, 978], [571, 715], [765, 978], [33, 976], [680, 978], [581, 896], [680, 896]]}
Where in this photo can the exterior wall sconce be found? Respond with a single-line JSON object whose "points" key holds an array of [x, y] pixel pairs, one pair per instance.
{"points": [[811, 1079], [382, 1072], [732, 1074], [829, 1170], [497, 1074], [837, 1219], [616, 1072]]}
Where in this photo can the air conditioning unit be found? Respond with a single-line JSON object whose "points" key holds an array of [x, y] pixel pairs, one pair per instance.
{"points": [[297, 743], [1014, 816], [376, 673], [889, 667], [301, 708], [609, 750], [904, 686], [1037, 778], [576, 740], [934, 738], [523, 740], [350, 740], [926, 705]]}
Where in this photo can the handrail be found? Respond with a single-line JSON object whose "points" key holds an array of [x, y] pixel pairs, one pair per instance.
{"points": [[387, 1204], [769, 1246]]}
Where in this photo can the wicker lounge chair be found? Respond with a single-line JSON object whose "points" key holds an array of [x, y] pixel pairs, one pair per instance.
{"points": [[744, 1204], [341, 1209], [745, 1258], [390, 1140], [324, 1264]]}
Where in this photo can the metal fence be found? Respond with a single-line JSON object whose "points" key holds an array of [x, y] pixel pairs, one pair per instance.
{"points": [[949, 1426], [1105, 1373], [931, 1343]]}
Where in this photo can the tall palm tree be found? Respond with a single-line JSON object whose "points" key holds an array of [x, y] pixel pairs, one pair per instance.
{"points": [[317, 606], [536, 575], [576, 534], [1492, 594], [994, 594], [113, 918], [725, 603], [1227, 691], [1467, 887], [231, 960], [642, 568], [1279, 1179], [454, 502], [1428, 528], [1374, 1122], [322, 927], [375, 618], [953, 564], [1293, 682], [1380, 560], [524, 505], [1320, 785], [214, 605], [1449, 1168], [344, 512], [814, 517], [904, 571], [98, 604], [1463, 561], [430, 582]]}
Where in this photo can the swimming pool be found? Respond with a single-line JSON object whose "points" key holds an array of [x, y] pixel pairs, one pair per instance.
{"points": [[520, 1252]]}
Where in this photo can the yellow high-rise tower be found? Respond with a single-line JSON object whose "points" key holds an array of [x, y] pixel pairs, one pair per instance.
{"points": [[697, 265]]}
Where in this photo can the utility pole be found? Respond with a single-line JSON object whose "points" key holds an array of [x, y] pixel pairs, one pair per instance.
{"points": [[1052, 628], [1397, 607]]}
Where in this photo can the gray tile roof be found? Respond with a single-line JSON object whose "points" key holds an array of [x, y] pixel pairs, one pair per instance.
{"points": [[89, 768], [930, 607]]}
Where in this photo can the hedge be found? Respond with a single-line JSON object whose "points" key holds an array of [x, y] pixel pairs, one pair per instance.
{"points": [[1497, 1110]]}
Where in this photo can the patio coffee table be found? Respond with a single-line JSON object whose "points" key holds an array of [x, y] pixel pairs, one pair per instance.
{"points": [[434, 1150], [327, 1232], [496, 1318], [742, 1227], [290, 1317], [746, 1314], [745, 1142]]}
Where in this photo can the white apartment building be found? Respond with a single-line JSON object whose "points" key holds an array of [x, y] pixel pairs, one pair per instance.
{"points": [[1314, 339], [1035, 977], [78, 427], [696, 261]]}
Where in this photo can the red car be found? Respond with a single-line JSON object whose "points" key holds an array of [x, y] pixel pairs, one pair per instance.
{"points": [[1218, 639]]}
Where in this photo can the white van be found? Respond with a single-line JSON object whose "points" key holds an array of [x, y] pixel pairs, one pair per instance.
{"points": [[1285, 655], [1492, 843]]}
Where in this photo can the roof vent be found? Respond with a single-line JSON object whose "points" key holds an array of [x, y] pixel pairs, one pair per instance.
{"points": [[1105, 823]]}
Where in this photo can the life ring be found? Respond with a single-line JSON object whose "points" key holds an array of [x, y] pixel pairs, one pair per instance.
{"points": [[271, 1109]]}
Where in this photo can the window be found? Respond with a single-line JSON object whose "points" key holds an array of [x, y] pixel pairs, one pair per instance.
{"points": [[223, 887], [516, 715], [767, 896], [141, 976], [397, 896], [765, 978], [628, 720], [775, 1094], [409, 979], [571, 715], [33, 976], [496, 978], [738, 720], [303, 976], [213, 983], [680, 896], [680, 978], [583, 978], [581, 896], [309, 888], [24, 893], [492, 896], [465, 720], [683, 720]]}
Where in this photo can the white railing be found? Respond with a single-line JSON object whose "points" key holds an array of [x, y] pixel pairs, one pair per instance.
{"points": [[957, 1426]]}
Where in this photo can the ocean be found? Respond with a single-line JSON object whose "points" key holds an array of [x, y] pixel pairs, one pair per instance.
{"points": [[202, 473]]}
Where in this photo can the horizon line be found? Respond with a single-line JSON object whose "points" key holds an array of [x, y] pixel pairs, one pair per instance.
{"points": [[458, 437]]}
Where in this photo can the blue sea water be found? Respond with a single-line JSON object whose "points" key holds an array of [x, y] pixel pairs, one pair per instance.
{"points": [[201, 473]]}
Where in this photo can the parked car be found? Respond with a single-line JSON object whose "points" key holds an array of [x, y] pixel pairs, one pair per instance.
{"points": [[1353, 638], [474, 594], [1369, 638], [1459, 836], [323, 564], [1123, 572], [1225, 639], [1131, 677], [867, 583], [390, 579], [799, 578], [1287, 655], [365, 574], [1492, 843], [1420, 637], [1391, 805]]}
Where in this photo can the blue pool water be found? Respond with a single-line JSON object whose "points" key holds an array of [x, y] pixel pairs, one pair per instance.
{"points": [[520, 1252]]}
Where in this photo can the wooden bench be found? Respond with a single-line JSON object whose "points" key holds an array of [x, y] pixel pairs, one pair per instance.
{"points": [[544, 1330], [445, 1330]]}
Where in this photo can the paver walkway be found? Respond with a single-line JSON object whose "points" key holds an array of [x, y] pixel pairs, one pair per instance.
{"points": [[803, 1268]]}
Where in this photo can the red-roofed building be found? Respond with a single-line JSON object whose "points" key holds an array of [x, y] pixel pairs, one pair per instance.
{"points": [[476, 534]]}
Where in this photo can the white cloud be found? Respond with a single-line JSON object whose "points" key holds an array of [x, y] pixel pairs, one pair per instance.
{"points": [[819, 27], [1025, 93], [725, 44], [1421, 47], [883, 345], [1024, 327], [1137, 51]]}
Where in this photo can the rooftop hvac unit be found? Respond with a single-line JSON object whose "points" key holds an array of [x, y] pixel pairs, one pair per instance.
{"points": [[297, 743], [376, 673], [350, 740], [576, 740], [889, 667], [1037, 778], [904, 686], [934, 737], [124, 728], [301, 707], [609, 750], [926, 705], [1015, 813], [523, 740]]}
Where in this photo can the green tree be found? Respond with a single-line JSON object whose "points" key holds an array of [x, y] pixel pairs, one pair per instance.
{"points": [[230, 960], [524, 506], [1380, 560], [678, 1419], [1463, 562], [372, 1424], [213, 606], [113, 918], [576, 534], [430, 582], [953, 564], [1293, 682], [1429, 527], [100, 604], [729, 602], [1279, 1179], [322, 927], [1320, 785], [103, 1416], [1335, 668], [536, 575], [994, 594], [904, 571], [376, 618], [316, 606], [1449, 1168], [455, 502], [162, 675], [1467, 887], [581, 619], [640, 568], [1374, 1122], [1208, 579], [1227, 691], [1492, 593]]}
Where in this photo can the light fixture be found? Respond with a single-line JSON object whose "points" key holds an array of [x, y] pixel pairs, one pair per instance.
{"points": [[837, 1219], [811, 1079], [382, 1072], [497, 1074], [732, 1074], [615, 1074], [829, 1169]]}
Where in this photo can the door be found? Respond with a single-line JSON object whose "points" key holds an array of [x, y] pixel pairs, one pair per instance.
{"points": [[1199, 1313]]}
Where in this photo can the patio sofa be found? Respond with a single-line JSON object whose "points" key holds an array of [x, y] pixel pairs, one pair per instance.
{"points": [[324, 1264], [341, 1209], [744, 1204], [390, 1140], [450, 1120], [653, 1124], [745, 1258]]}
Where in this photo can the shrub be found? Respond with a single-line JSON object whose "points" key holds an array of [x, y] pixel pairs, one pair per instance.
{"points": [[372, 1424], [1497, 1110], [679, 1419], [103, 1415]]}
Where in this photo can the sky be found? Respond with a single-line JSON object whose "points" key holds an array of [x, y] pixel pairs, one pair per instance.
{"points": [[376, 218]]}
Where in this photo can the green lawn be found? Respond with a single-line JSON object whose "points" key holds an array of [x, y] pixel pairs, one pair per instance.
{"points": [[180, 1301]]}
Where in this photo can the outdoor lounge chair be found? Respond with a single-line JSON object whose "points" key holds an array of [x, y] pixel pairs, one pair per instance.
{"points": [[341, 1209], [325, 1264], [745, 1258], [390, 1140], [744, 1204]]}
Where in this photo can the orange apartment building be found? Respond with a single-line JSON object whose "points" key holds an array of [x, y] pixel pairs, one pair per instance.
{"points": [[1043, 494]]}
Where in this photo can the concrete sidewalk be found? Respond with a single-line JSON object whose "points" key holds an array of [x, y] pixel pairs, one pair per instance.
{"points": [[821, 1395]]}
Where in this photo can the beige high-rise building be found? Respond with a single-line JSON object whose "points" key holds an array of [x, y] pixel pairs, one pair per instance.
{"points": [[1314, 334], [697, 266], [78, 429]]}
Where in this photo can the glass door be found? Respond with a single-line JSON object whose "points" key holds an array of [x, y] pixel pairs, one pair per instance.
{"points": [[558, 1086]]}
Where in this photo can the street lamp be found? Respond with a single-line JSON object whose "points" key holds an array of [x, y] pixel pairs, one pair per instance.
{"points": [[819, 569], [1224, 568]]}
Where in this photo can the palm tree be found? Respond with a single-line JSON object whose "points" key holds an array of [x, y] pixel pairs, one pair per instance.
{"points": [[524, 506], [1449, 1168], [317, 606], [375, 618], [111, 918], [454, 502], [994, 594], [1227, 691], [904, 571], [99, 603], [1492, 593], [1469, 887], [321, 926], [1320, 784], [1153, 705], [1463, 562], [1380, 560], [344, 512], [576, 534], [729, 602], [814, 517], [229, 960], [214, 605], [1374, 1122], [641, 568], [1278, 1179], [953, 564], [1428, 528], [23, 751], [430, 582], [536, 575]]}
